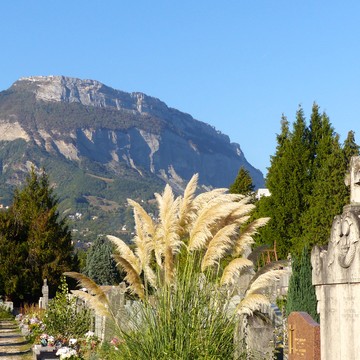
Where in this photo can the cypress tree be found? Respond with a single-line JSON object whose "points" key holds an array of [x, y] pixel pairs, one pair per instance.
{"points": [[276, 182], [100, 265], [350, 147], [328, 193], [301, 293], [297, 156], [286, 173], [33, 230], [306, 182], [242, 184]]}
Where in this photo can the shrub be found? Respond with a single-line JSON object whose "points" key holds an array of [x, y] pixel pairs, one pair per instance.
{"points": [[64, 318], [5, 313]]}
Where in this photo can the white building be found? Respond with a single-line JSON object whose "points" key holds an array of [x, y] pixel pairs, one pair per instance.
{"points": [[262, 192]]}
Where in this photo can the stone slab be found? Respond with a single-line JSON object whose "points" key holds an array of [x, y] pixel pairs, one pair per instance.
{"points": [[44, 352], [303, 337]]}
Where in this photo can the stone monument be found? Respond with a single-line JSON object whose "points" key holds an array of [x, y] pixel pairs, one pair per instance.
{"points": [[44, 300], [336, 276]]}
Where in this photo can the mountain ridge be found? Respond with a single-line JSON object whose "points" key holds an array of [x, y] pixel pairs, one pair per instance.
{"points": [[86, 127]]}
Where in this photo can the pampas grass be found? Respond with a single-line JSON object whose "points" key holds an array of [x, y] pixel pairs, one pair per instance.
{"points": [[132, 277], [218, 246], [179, 323], [184, 262], [233, 269], [125, 252]]}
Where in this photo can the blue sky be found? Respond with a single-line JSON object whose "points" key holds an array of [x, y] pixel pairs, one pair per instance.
{"points": [[236, 64]]}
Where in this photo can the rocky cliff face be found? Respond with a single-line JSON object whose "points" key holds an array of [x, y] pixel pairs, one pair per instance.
{"points": [[115, 128]]}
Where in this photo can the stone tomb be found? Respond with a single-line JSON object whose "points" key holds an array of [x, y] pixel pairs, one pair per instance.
{"points": [[303, 337]]}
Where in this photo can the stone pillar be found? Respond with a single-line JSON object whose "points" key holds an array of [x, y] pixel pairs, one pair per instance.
{"points": [[336, 276]]}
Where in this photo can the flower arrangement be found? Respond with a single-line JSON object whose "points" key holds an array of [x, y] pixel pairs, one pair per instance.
{"points": [[31, 326], [67, 352], [72, 348]]}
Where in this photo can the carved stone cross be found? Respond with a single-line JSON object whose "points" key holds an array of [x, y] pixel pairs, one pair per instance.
{"points": [[291, 339]]}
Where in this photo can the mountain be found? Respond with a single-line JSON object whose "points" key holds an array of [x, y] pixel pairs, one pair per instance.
{"points": [[100, 146]]}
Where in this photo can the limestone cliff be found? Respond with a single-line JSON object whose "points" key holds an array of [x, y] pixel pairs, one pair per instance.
{"points": [[84, 119]]}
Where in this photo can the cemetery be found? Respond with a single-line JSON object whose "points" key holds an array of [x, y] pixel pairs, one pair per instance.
{"points": [[243, 306]]}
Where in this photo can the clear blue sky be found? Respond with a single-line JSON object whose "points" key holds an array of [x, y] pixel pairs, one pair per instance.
{"points": [[237, 64]]}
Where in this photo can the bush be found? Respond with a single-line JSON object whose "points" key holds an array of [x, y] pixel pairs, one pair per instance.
{"points": [[64, 318], [5, 313]]}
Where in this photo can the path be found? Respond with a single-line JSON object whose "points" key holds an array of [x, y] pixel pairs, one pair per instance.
{"points": [[13, 345]]}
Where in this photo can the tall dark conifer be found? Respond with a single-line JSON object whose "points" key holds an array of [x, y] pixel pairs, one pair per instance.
{"points": [[306, 182], [287, 181], [301, 294], [100, 264], [328, 193], [243, 183], [276, 182], [350, 147], [34, 229], [298, 179]]}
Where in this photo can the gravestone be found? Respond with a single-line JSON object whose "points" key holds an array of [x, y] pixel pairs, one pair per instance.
{"points": [[44, 352], [303, 337], [259, 336], [336, 276], [103, 327]]}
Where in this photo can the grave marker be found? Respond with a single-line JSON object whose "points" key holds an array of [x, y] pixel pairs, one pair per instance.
{"points": [[303, 337]]}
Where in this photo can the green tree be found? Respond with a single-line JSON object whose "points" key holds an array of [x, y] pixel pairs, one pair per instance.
{"points": [[13, 255], [328, 192], [64, 317], [350, 147], [306, 182], [301, 294], [287, 200], [100, 264], [242, 184], [40, 240], [267, 205]]}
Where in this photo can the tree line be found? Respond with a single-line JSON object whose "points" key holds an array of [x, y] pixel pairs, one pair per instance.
{"points": [[306, 181]]}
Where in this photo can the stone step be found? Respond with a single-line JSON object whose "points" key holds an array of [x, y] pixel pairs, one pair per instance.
{"points": [[13, 345], [7, 331], [15, 341]]}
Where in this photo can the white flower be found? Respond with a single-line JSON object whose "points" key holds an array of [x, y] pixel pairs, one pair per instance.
{"points": [[34, 320], [62, 350], [66, 352], [72, 341], [89, 334]]}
